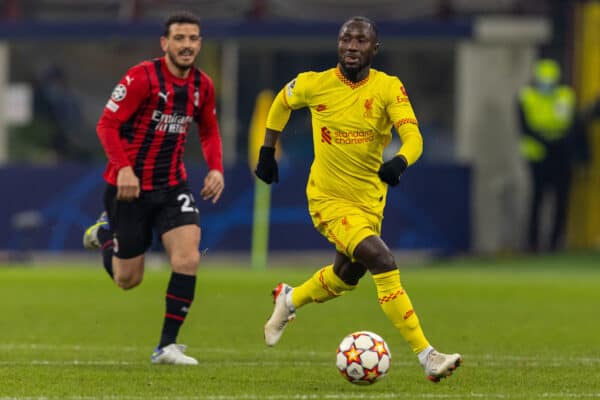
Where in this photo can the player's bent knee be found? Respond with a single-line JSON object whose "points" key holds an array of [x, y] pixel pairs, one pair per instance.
{"points": [[186, 263], [128, 273], [127, 285], [127, 282], [374, 253], [382, 262], [351, 274], [381, 269]]}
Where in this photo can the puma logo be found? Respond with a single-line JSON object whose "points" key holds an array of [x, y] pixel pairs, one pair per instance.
{"points": [[163, 95]]}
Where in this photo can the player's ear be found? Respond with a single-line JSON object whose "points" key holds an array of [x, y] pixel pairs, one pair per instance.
{"points": [[164, 43], [376, 48]]}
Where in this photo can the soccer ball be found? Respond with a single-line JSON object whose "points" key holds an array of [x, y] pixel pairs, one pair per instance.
{"points": [[363, 357]]}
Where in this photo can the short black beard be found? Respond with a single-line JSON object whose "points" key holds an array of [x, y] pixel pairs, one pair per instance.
{"points": [[351, 74], [182, 68]]}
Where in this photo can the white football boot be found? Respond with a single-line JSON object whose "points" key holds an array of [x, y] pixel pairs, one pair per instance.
{"points": [[439, 365], [90, 237], [172, 354], [282, 314]]}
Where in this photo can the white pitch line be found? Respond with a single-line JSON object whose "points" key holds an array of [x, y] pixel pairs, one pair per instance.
{"points": [[282, 362], [119, 362], [487, 359], [313, 362], [61, 347], [71, 362], [233, 363]]}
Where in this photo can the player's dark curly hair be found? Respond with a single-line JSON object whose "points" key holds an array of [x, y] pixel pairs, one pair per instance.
{"points": [[181, 17]]}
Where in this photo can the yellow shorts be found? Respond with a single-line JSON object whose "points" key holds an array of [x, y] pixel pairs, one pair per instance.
{"points": [[343, 223]]}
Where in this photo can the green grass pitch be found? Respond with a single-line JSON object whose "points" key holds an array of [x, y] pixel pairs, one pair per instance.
{"points": [[528, 328]]}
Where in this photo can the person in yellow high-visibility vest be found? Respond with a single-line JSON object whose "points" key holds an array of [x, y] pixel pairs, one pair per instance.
{"points": [[547, 116]]}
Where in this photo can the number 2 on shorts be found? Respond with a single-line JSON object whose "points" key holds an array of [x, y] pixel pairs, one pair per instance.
{"points": [[187, 203]]}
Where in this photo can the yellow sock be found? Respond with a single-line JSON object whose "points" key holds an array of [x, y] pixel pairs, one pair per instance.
{"points": [[397, 307], [322, 286]]}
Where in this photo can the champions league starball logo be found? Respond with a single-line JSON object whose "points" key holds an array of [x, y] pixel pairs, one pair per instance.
{"points": [[119, 92]]}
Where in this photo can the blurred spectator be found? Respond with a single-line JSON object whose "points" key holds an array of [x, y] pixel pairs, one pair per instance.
{"points": [[59, 107], [547, 116]]}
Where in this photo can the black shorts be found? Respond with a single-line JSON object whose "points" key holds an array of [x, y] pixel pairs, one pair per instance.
{"points": [[132, 222]]}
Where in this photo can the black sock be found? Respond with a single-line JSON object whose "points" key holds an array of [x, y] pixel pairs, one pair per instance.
{"points": [[180, 294], [105, 238]]}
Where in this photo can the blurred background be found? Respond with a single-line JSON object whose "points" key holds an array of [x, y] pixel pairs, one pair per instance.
{"points": [[462, 62]]}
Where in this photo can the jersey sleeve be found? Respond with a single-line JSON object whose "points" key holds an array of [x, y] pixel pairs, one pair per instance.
{"points": [[403, 117], [292, 97], [279, 113], [208, 129], [124, 101], [296, 92]]}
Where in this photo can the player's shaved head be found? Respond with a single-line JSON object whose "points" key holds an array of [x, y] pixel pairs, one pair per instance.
{"points": [[364, 20]]}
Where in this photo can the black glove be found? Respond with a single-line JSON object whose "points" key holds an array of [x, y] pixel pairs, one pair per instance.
{"points": [[390, 171], [266, 169]]}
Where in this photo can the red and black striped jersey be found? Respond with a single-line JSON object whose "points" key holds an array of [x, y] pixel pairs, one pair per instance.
{"points": [[146, 120]]}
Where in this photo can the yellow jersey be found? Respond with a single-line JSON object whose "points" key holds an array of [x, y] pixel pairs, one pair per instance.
{"points": [[351, 126]]}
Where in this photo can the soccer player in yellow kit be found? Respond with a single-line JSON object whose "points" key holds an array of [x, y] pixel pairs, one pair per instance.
{"points": [[353, 108]]}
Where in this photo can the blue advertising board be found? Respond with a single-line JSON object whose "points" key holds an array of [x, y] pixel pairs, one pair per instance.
{"points": [[48, 208]]}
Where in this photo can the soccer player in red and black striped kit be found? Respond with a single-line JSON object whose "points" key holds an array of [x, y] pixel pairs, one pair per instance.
{"points": [[143, 131]]}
